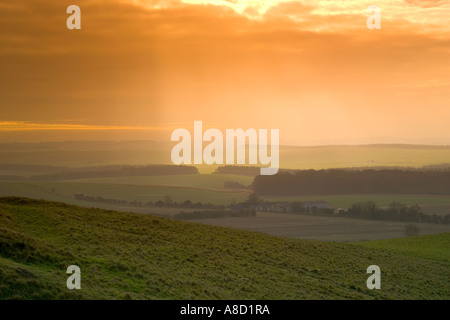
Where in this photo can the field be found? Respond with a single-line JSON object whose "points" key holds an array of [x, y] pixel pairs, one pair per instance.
{"points": [[209, 188], [64, 191], [286, 225], [322, 228], [131, 256], [203, 181], [204, 188]]}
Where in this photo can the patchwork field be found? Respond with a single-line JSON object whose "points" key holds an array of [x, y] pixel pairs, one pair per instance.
{"points": [[210, 187], [196, 188], [64, 191], [203, 187]]}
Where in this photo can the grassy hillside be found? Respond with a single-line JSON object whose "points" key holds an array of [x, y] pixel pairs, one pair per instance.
{"points": [[131, 256], [434, 247]]}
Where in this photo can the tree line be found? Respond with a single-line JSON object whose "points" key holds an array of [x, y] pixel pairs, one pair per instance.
{"points": [[167, 202], [338, 181], [395, 212], [214, 214]]}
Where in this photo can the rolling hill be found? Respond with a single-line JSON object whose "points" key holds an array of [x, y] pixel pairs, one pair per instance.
{"points": [[132, 256]]}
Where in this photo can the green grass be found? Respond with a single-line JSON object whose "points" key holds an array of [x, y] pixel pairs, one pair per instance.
{"points": [[434, 247], [125, 255]]}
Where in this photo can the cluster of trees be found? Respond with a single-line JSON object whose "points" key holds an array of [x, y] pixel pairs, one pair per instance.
{"points": [[165, 202], [187, 204], [117, 171], [366, 210], [411, 230], [337, 181], [118, 202], [209, 210], [298, 207], [214, 214], [395, 212]]}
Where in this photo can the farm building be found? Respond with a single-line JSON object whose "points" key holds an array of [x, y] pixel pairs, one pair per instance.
{"points": [[274, 207], [308, 205]]}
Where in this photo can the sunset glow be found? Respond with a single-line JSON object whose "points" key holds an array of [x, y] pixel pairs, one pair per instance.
{"points": [[301, 11], [309, 68], [25, 126]]}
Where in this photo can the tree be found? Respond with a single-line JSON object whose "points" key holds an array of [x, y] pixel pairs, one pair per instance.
{"points": [[168, 200], [253, 199], [187, 204], [411, 230]]}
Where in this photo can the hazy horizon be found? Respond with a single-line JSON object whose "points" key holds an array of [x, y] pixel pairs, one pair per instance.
{"points": [[168, 142], [64, 133]]}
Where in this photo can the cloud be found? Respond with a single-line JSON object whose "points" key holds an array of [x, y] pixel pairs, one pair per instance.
{"points": [[428, 3], [139, 63], [11, 126], [346, 13]]}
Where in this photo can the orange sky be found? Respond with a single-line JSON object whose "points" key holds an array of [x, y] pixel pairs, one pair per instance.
{"points": [[140, 68]]}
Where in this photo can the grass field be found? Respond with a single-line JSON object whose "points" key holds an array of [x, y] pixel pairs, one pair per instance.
{"points": [[204, 181], [435, 247], [64, 191], [131, 256]]}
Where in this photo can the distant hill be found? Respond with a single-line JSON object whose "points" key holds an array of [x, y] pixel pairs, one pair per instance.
{"points": [[76, 154], [117, 171], [131, 256]]}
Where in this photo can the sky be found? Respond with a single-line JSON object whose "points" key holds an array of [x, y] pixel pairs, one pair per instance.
{"points": [[139, 69]]}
